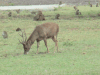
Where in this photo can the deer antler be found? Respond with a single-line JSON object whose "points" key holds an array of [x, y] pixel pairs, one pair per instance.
{"points": [[23, 34], [20, 41]]}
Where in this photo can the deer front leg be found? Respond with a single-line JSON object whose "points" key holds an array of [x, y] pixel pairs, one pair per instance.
{"points": [[37, 46], [45, 41]]}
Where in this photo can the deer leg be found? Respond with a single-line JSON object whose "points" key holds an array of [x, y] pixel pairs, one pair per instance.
{"points": [[56, 43], [45, 41], [37, 46]]}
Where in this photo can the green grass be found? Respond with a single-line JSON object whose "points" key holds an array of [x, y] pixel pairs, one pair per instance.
{"points": [[78, 41]]}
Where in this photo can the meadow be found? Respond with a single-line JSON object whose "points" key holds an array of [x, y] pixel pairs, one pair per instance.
{"points": [[78, 42]]}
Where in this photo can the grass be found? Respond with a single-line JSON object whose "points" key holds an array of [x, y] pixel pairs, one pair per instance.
{"points": [[78, 42]]}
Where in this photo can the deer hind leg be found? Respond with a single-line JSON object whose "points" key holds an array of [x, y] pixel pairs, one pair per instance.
{"points": [[45, 41], [37, 46], [56, 43]]}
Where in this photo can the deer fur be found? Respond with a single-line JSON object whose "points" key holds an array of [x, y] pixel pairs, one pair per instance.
{"points": [[42, 32]]}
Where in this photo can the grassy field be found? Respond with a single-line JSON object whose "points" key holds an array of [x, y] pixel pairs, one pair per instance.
{"points": [[78, 41]]}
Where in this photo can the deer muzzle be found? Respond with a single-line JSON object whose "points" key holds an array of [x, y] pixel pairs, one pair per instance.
{"points": [[25, 53]]}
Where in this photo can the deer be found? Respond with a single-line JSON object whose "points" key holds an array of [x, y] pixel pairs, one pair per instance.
{"points": [[41, 32]]}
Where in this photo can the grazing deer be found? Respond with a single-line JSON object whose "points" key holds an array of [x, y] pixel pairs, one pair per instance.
{"points": [[41, 32]]}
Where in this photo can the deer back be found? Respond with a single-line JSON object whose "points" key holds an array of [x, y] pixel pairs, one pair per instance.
{"points": [[47, 29]]}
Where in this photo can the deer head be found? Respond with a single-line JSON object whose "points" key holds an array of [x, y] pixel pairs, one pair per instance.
{"points": [[25, 43]]}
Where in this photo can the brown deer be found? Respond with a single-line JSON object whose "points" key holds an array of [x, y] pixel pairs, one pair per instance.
{"points": [[41, 32]]}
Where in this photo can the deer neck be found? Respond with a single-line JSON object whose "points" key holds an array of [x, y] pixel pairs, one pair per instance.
{"points": [[32, 38]]}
